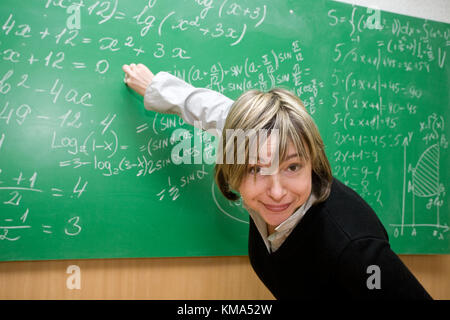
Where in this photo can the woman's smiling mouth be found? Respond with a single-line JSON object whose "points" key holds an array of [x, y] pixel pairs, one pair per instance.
{"points": [[277, 208]]}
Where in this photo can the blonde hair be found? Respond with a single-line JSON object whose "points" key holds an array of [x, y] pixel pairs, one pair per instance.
{"points": [[278, 110]]}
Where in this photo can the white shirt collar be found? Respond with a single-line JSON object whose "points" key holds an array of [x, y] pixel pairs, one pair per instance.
{"points": [[276, 239]]}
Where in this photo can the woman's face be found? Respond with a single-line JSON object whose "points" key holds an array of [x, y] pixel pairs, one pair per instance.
{"points": [[278, 195]]}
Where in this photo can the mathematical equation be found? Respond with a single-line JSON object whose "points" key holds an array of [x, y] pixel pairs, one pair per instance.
{"points": [[150, 19], [381, 113], [17, 188], [414, 42]]}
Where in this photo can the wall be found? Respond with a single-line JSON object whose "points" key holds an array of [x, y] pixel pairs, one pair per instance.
{"points": [[172, 278], [167, 278]]}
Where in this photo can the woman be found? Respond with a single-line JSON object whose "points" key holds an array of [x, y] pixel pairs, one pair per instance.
{"points": [[310, 235]]}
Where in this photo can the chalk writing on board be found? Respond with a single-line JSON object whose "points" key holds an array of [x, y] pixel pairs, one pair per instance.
{"points": [[17, 188], [82, 162], [371, 107], [422, 180], [82, 142]]}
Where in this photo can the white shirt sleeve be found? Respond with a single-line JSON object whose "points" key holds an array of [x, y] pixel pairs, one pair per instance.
{"points": [[203, 108]]}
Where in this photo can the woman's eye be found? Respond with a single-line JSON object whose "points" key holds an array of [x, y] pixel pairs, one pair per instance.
{"points": [[254, 170], [293, 167]]}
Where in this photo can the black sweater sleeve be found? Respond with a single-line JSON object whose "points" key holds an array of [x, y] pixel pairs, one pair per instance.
{"points": [[369, 269]]}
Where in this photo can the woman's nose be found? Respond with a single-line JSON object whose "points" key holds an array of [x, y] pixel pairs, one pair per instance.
{"points": [[275, 189]]}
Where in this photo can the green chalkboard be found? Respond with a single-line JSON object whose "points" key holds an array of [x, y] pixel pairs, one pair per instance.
{"points": [[87, 172], [387, 107]]}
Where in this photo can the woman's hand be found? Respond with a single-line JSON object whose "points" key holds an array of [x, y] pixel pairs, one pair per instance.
{"points": [[137, 77]]}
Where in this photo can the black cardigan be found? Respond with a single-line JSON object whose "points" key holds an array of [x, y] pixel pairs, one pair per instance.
{"points": [[328, 253]]}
